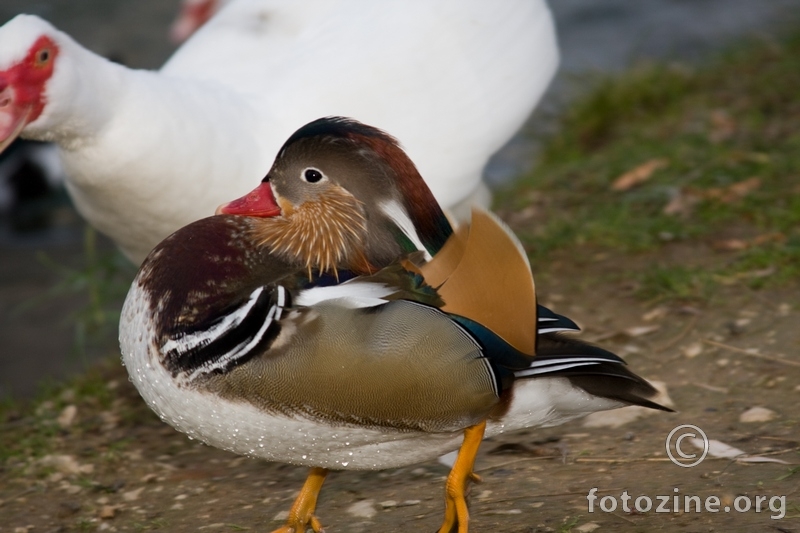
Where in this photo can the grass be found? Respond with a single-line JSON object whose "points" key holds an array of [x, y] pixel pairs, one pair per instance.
{"points": [[719, 147], [104, 277], [30, 429]]}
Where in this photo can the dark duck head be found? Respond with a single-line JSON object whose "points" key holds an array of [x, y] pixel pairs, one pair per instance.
{"points": [[342, 195]]}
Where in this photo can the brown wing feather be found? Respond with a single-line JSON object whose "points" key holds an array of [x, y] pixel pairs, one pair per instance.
{"points": [[486, 277]]}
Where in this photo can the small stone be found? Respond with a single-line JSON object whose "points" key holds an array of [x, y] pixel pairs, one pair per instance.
{"points": [[67, 416], [107, 511], [485, 494], [148, 478], [656, 314], [757, 414], [419, 472], [723, 362], [69, 488], [362, 509], [588, 527], [281, 516], [693, 350], [181, 496], [388, 504], [177, 506], [408, 503], [66, 464], [784, 309], [504, 511], [638, 331], [132, 495]]}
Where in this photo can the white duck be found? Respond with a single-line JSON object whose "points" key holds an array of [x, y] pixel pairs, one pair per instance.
{"points": [[148, 152]]}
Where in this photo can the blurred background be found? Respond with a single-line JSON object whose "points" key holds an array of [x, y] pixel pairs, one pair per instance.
{"points": [[60, 284]]}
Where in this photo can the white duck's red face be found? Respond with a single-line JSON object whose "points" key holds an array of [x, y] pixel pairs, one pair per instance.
{"points": [[192, 15], [22, 88]]}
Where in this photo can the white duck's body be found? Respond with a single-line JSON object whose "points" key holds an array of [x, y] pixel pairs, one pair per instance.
{"points": [[148, 152]]}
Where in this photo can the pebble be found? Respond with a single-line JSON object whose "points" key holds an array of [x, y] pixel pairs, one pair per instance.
{"points": [[67, 416], [588, 527], [362, 509], [693, 350], [409, 503], [132, 495], [281, 516], [757, 414], [656, 314], [107, 511], [66, 464]]}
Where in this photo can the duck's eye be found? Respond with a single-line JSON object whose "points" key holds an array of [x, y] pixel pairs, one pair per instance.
{"points": [[43, 56], [312, 175]]}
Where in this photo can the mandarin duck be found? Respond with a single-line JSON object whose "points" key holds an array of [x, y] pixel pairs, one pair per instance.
{"points": [[333, 318], [147, 152]]}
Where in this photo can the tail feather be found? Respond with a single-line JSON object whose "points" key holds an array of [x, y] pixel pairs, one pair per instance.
{"points": [[593, 369]]}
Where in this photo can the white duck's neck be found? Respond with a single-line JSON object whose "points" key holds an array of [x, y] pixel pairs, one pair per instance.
{"points": [[130, 137]]}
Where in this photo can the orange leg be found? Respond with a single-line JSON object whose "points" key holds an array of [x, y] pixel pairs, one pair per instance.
{"points": [[456, 514], [301, 515]]}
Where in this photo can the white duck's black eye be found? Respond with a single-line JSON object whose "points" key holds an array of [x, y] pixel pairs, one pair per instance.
{"points": [[312, 175], [43, 56]]}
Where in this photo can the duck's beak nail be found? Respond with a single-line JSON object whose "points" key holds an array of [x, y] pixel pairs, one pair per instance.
{"points": [[260, 202]]}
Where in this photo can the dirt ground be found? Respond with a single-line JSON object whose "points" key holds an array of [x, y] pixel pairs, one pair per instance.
{"points": [[113, 466]]}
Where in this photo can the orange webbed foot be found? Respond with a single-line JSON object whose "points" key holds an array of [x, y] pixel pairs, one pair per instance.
{"points": [[456, 513], [301, 515]]}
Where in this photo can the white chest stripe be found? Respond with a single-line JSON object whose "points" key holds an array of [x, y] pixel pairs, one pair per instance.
{"points": [[193, 340], [361, 294], [239, 350]]}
